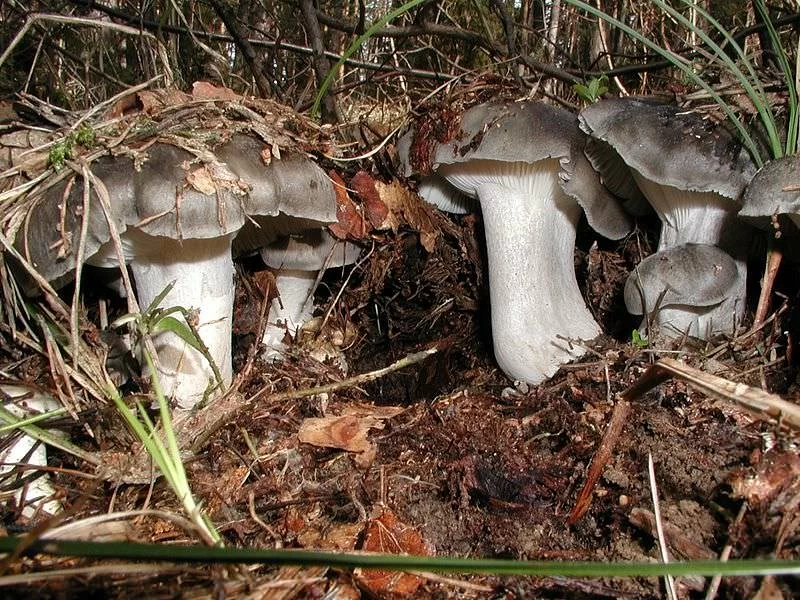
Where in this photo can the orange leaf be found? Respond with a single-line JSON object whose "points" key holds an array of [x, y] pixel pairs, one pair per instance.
{"points": [[350, 223], [203, 90], [347, 433], [387, 534], [377, 212]]}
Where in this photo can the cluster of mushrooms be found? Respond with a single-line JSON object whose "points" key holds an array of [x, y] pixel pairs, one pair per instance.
{"points": [[533, 167], [179, 217]]}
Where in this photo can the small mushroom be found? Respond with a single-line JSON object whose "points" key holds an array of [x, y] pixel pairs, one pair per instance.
{"points": [[290, 202], [773, 193], [691, 170], [298, 259], [524, 163], [684, 289]]}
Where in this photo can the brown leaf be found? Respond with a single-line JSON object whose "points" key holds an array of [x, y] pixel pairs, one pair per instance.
{"points": [[376, 211], [202, 180], [387, 534], [350, 223], [126, 467], [204, 90], [323, 535], [152, 102], [417, 213], [388, 205], [776, 471], [346, 433], [124, 105], [16, 149]]}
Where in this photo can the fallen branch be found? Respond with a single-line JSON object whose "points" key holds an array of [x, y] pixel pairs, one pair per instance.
{"points": [[756, 401]]}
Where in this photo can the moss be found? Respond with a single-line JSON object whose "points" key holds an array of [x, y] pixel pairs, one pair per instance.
{"points": [[64, 149]]}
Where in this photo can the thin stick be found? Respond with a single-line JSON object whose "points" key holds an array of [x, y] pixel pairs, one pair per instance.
{"points": [[113, 100], [773, 261], [725, 555], [35, 17], [601, 458], [754, 400], [354, 381], [662, 542], [74, 321], [344, 286], [197, 443]]}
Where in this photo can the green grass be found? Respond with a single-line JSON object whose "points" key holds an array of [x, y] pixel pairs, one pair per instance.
{"points": [[742, 70]]}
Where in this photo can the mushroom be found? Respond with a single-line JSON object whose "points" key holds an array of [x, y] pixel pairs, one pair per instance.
{"points": [[691, 171], [177, 215], [432, 187], [286, 195], [37, 493], [298, 260], [774, 191], [524, 163], [290, 202], [684, 289]]}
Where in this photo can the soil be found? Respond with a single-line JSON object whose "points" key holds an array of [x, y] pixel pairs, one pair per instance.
{"points": [[456, 456]]}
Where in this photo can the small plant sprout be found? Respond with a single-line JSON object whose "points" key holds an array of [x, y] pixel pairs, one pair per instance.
{"points": [[593, 91], [162, 445]]}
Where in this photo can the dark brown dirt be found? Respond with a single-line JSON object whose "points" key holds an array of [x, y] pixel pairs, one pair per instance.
{"points": [[477, 468]]}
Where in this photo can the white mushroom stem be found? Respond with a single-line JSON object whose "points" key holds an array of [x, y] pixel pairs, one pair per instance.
{"points": [[291, 310], [702, 218], [35, 494], [687, 217], [203, 274], [530, 238]]}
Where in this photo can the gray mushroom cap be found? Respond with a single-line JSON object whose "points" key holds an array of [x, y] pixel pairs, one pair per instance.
{"points": [[530, 132], [158, 200], [700, 286], [775, 190], [312, 250], [671, 146], [692, 172], [690, 275], [285, 195]]}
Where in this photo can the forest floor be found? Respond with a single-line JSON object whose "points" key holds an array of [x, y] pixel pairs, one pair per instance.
{"points": [[446, 457]]}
